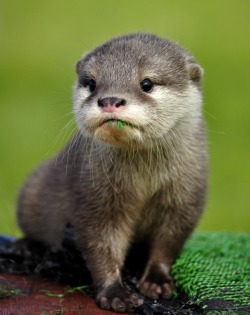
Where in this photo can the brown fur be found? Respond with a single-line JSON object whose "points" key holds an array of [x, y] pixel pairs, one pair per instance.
{"points": [[116, 187]]}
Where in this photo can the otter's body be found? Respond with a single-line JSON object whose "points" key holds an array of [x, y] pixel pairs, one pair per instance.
{"points": [[135, 171]]}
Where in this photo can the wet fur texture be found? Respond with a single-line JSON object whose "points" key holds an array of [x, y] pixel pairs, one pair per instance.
{"points": [[116, 187]]}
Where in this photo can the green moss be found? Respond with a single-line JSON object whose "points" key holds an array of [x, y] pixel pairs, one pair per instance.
{"points": [[81, 289], [8, 293]]}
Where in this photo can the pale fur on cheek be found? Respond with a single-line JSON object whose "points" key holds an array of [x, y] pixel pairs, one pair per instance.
{"points": [[178, 105], [80, 95]]}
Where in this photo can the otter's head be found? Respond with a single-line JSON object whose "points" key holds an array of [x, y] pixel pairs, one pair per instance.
{"points": [[134, 89]]}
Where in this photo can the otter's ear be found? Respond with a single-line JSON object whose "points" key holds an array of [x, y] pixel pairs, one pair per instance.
{"points": [[195, 72], [78, 66]]}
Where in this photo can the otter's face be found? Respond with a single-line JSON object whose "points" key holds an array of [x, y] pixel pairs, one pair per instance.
{"points": [[134, 89]]}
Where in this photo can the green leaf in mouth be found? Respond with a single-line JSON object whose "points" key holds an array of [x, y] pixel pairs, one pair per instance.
{"points": [[119, 123]]}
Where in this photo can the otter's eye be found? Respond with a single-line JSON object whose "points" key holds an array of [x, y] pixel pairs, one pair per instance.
{"points": [[92, 85], [147, 85]]}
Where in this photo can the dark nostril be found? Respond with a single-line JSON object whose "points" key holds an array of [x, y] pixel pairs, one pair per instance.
{"points": [[111, 101], [121, 102]]}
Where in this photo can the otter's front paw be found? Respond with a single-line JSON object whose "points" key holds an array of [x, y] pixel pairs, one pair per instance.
{"points": [[115, 297], [156, 282]]}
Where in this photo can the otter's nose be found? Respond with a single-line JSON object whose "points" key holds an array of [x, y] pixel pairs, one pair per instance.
{"points": [[111, 104]]}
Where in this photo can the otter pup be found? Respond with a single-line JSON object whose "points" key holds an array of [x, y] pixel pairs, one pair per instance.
{"points": [[135, 171]]}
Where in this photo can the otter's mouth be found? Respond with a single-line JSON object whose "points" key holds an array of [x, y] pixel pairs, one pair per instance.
{"points": [[116, 123]]}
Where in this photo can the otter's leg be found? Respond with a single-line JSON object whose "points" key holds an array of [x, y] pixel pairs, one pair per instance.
{"points": [[104, 251], [156, 280], [167, 239]]}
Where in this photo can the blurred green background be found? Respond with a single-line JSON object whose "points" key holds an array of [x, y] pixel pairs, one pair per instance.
{"points": [[42, 40]]}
